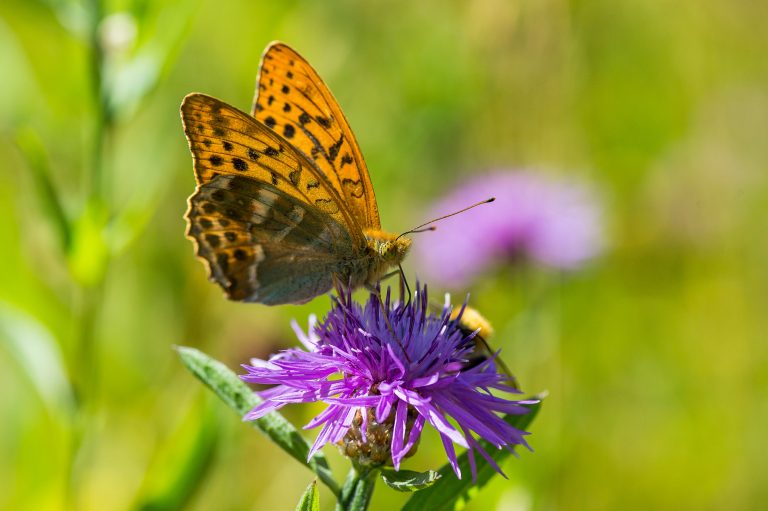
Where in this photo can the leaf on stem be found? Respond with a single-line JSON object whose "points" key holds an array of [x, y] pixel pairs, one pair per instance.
{"points": [[238, 396], [310, 500], [34, 348], [409, 480], [449, 492], [33, 150]]}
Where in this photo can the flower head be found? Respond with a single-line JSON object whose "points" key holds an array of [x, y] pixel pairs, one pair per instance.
{"points": [[556, 223], [384, 377]]}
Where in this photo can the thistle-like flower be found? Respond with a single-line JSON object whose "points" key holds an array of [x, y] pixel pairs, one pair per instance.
{"points": [[384, 377], [554, 222]]}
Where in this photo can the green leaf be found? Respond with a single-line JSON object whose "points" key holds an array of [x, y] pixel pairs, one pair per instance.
{"points": [[34, 152], [310, 501], [450, 493], [409, 480], [238, 396], [36, 351]]}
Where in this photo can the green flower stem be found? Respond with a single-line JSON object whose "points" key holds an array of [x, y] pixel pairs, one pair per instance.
{"points": [[103, 117], [84, 367], [357, 490]]}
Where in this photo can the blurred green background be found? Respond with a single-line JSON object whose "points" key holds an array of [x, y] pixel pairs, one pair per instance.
{"points": [[655, 356]]}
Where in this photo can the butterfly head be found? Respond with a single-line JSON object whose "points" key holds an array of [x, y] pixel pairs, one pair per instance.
{"points": [[393, 252], [390, 249]]}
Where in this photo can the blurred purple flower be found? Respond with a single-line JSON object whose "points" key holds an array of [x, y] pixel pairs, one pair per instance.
{"points": [[554, 222], [368, 378]]}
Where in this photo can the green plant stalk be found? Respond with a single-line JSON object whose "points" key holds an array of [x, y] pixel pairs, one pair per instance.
{"points": [[30, 145], [85, 371], [357, 490]]}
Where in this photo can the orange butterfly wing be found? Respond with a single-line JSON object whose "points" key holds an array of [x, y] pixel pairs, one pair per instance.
{"points": [[264, 218], [293, 100], [224, 140]]}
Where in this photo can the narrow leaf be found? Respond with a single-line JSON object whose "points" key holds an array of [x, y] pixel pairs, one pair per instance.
{"points": [[30, 145], [36, 351], [238, 396], [409, 480], [310, 501], [450, 493]]}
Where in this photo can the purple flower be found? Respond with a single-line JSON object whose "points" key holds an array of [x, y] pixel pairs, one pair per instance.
{"points": [[554, 222], [370, 378]]}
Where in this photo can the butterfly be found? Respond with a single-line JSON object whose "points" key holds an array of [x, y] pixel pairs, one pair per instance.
{"points": [[284, 207]]}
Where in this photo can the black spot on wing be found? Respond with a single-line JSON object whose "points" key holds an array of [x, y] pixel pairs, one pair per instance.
{"points": [[295, 176], [239, 164], [333, 151], [213, 240]]}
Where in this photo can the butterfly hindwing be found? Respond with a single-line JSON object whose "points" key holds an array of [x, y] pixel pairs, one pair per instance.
{"points": [[262, 244], [293, 100]]}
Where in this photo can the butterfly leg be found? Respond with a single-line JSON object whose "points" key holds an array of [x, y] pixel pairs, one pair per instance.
{"points": [[403, 282]]}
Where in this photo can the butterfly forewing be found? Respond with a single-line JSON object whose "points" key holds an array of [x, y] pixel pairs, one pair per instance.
{"points": [[292, 100], [261, 244], [226, 141]]}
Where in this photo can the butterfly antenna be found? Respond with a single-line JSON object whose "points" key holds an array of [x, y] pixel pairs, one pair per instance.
{"points": [[425, 224]]}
